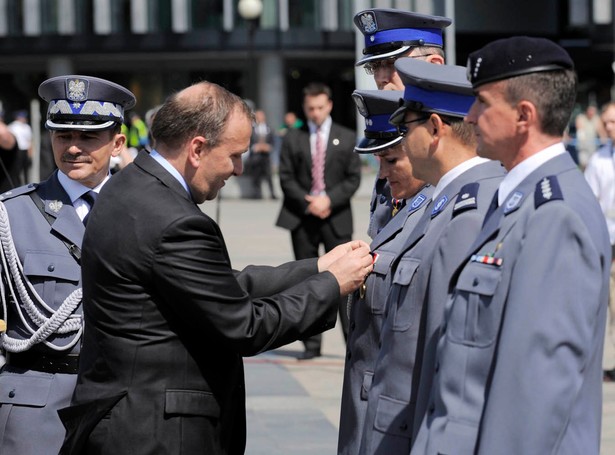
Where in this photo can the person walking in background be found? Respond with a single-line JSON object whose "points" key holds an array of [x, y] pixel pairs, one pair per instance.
{"points": [[319, 173], [518, 364], [41, 258], [366, 306], [21, 129], [600, 174], [167, 318], [261, 148], [389, 35]]}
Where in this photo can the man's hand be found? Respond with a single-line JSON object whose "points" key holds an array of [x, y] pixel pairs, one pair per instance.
{"points": [[325, 261], [351, 269], [319, 206]]}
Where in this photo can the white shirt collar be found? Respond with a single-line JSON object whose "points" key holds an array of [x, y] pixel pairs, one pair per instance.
{"points": [[75, 189], [324, 128], [456, 172], [169, 167], [518, 173]]}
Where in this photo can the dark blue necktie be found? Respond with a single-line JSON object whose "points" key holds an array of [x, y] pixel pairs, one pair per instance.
{"points": [[90, 199]]}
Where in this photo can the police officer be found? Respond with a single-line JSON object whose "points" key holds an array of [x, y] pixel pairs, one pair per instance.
{"points": [[41, 227], [367, 305], [442, 151], [518, 364], [390, 34]]}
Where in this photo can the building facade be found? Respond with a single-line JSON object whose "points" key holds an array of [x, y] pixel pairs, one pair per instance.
{"points": [[155, 47]]}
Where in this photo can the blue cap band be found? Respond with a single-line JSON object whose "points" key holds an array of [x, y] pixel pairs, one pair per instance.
{"points": [[431, 36], [379, 124], [442, 102]]}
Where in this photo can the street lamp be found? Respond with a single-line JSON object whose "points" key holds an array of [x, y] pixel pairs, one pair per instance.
{"points": [[250, 11]]}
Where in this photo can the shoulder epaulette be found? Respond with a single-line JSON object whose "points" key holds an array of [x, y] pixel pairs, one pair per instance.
{"points": [[547, 190], [25, 189], [466, 199]]}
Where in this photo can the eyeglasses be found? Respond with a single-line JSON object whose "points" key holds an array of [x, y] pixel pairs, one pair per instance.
{"points": [[402, 129], [387, 63]]}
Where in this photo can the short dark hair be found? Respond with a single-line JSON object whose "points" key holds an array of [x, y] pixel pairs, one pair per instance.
{"points": [[552, 92], [180, 118], [317, 88]]}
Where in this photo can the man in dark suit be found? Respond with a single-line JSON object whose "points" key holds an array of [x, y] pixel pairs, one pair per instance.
{"points": [[167, 319], [319, 173]]}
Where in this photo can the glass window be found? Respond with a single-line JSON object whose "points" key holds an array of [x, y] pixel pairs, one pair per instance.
{"points": [[303, 14], [15, 17], [206, 14], [49, 17]]}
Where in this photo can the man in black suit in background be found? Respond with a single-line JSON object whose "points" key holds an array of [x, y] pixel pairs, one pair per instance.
{"points": [[319, 173], [167, 319]]}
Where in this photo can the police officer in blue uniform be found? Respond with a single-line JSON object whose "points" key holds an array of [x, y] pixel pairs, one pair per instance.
{"points": [[41, 228], [518, 366], [442, 151], [390, 34], [367, 304]]}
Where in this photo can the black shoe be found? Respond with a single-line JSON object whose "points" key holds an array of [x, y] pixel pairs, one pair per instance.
{"points": [[309, 354], [608, 375]]}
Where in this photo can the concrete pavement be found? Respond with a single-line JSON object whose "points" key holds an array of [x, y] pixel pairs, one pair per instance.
{"points": [[293, 407]]}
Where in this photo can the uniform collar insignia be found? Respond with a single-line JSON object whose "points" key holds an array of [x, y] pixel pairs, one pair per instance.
{"points": [[440, 203], [417, 202], [55, 206], [512, 202]]}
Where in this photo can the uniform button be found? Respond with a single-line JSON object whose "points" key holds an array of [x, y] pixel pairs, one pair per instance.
{"points": [[403, 426], [51, 268], [12, 394], [352, 325], [475, 282]]}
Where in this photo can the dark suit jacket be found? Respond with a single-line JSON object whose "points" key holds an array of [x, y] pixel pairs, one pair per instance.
{"points": [[168, 320], [342, 177]]}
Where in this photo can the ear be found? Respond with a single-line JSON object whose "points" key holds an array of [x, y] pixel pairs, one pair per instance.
{"points": [[526, 114], [119, 142], [435, 125], [197, 148], [436, 59]]}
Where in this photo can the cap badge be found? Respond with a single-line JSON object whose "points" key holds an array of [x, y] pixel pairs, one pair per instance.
{"points": [[55, 206], [77, 89], [473, 73], [368, 20]]}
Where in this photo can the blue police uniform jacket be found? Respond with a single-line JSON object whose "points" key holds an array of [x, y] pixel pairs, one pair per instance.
{"points": [[365, 320], [518, 363], [29, 399], [414, 306]]}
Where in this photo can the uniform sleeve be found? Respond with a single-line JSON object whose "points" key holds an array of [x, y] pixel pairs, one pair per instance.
{"points": [[551, 336], [200, 290]]}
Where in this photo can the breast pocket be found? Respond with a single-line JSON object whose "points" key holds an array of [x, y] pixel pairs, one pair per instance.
{"points": [[45, 270], [378, 282], [475, 314], [404, 302]]}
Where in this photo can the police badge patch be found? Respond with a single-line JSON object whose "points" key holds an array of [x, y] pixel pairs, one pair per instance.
{"points": [[77, 89], [368, 21]]}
